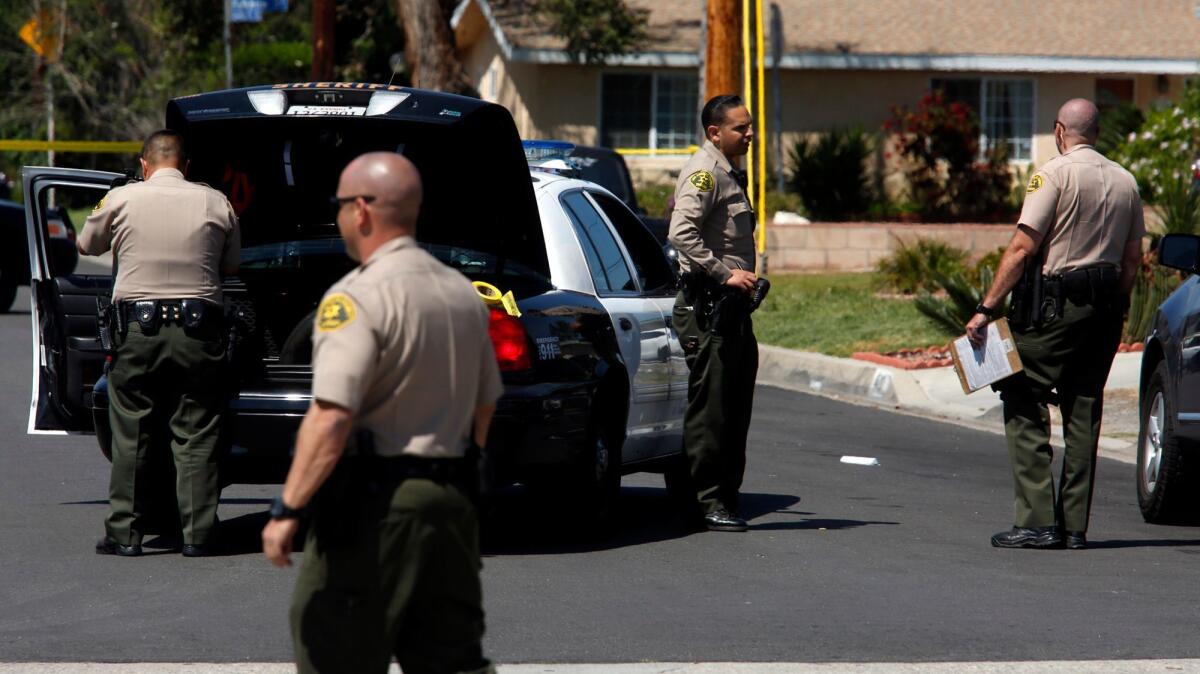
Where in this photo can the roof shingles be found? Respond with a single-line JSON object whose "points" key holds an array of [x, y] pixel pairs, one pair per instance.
{"points": [[1155, 29]]}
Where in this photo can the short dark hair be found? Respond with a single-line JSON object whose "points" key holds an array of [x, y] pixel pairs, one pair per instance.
{"points": [[164, 146], [715, 109]]}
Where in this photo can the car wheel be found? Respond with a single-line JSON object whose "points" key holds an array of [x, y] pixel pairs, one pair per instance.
{"points": [[677, 478], [1166, 470], [8, 291], [297, 348], [597, 487]]}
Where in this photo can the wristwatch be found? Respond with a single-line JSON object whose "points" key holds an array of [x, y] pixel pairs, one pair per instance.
{"points": [[986, 311], [281, 511]]}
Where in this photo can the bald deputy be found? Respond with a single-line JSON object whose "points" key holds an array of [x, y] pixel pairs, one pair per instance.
{"points": [[171, 241], [403, 366], [712, 228], [1081, 231]]}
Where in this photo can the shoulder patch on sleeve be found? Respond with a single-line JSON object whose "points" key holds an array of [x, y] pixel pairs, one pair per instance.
{"points": [[99, 205], [1035, 183], [335, 312], [702, 180]]}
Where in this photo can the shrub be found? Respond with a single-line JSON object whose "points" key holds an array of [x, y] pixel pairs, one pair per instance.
{"points": [[1116, 123], [830, 175], [1178, 205], [951, 313], [916, 266], [1150, 287], [950, 177], [1162, 150]]}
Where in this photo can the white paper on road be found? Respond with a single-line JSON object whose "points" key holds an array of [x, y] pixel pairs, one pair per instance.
{"points": [[861, 460], [989, 363]]}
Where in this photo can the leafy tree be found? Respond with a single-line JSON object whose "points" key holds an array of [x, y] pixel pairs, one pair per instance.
{"points": [[595, 29]]}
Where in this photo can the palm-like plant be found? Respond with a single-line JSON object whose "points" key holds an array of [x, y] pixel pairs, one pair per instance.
{"points": [[951, 313]]}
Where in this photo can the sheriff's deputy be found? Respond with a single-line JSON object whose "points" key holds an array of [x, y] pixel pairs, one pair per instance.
{"points": [[404, 368], [712, 227], [1081, 231], [171, 241]]}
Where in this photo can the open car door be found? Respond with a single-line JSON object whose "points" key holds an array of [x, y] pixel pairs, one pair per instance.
{"points": [[67, 356]]}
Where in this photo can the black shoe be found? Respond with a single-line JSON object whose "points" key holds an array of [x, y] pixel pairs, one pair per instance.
{"points": [[196, 550], [107, 546], [1041, 538], [721, 520], [1076, 540]]}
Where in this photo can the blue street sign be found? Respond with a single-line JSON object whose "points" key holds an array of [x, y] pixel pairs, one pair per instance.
{"points": [[247, 11], [275, 6]]}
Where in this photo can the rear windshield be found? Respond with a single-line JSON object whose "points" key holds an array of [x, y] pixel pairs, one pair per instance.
{"points": [[604, 169]]}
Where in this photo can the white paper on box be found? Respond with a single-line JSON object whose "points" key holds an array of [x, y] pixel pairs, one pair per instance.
{"points": [[988, 363]]}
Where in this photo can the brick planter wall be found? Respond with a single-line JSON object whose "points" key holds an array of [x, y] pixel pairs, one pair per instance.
{"points": [[857, 246]]}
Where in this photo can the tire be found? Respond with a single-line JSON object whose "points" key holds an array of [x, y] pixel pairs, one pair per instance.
{"points": [[677, 478], [298, 346], [596, 488], [1167, 466]]}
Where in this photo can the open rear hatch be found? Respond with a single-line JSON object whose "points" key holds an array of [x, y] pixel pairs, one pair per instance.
{"points": [[277, 152]]}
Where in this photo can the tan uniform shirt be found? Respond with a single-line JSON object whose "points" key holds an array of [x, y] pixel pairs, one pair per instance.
{"points": [[170, 238], [712, 225], [402, 341], [1086, 207]]}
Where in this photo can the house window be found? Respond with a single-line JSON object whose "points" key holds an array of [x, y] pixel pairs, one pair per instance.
{"points": [[1004, 107], [655, 111]]}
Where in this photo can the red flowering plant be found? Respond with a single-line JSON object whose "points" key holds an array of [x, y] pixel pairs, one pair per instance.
{"points": [[950, 177]]}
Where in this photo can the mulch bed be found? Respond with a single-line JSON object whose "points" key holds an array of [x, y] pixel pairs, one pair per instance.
{"points": [[934, 356]]}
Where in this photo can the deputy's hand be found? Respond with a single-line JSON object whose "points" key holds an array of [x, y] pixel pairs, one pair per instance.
{"points": [[277, 541], [977, 329], [742, 280]]}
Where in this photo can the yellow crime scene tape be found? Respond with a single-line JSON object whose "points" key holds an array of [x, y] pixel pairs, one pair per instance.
{"points": [[492, 297], [112, 146]]}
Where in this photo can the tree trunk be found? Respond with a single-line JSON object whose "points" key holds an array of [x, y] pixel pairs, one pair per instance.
{"points": [[429, 48], [723, 54], [324, 21]]}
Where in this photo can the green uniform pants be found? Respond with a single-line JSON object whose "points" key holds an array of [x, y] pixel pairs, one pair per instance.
{"points": [[722, 369], [389, 570], [165, 389], [1072, 355]]}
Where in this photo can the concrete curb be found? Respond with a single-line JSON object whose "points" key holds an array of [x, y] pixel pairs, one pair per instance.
{"points": [[898, 390]]}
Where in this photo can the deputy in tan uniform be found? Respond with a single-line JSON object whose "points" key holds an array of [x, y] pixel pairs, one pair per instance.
{"points": [[1081, 230], [712, 228], [171, 241], [404, 368]]}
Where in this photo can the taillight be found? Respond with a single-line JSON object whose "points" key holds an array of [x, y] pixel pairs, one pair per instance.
{"points": [[510, 341]]}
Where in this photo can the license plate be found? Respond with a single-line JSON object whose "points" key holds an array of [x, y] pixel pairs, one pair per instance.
{"points": [[327, 111]]}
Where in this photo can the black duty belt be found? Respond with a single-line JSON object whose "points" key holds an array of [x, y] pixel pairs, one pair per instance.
{"points": [[400, 468], [1089, 285], [190, 313]]}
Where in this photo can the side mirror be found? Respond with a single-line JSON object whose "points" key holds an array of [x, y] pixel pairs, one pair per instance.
{"points": [[1180, 251]]}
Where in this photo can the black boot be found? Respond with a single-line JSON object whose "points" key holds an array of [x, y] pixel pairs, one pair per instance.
{"points": [[1040, 538]]}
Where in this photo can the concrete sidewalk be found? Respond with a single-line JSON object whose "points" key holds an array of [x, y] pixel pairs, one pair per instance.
{"points": [[936, 393]]}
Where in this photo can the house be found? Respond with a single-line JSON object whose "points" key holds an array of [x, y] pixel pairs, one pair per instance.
{"points": [[845, 63]]}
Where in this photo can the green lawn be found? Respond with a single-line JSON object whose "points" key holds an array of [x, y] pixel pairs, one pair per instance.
{"points": [[838, 314]]}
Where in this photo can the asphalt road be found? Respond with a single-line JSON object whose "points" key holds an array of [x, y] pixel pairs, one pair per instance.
{"points": [[843, 563]]}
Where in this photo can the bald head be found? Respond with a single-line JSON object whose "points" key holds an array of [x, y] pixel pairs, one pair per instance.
{"points": [[1080, 120], [163, 149], [385, 189]]}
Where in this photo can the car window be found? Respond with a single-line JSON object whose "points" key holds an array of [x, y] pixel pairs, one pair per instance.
{"points": [[653, 270], [607, 263], [606, 171]]}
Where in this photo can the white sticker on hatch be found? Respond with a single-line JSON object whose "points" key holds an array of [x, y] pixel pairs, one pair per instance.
{"points": [[548, 348], [327, 111]]}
